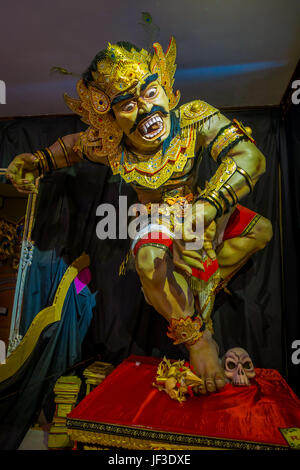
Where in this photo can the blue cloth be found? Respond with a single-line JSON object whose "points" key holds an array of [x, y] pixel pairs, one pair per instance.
{"points": [[57, 350], [43, 278]]}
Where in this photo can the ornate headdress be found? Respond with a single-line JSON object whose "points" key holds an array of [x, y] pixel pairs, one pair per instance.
{"points": [[119, 70]]}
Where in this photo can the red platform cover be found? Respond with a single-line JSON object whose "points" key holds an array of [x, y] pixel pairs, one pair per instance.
{"points": [[252, 414]]}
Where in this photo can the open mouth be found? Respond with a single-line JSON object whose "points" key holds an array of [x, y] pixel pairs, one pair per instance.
{"points": [[151, 127]]}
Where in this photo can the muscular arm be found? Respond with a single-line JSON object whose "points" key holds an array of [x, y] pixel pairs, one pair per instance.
{"points": [[242, 155], [59, 154], [73, 156], [246, 155], [24, 169], [237, 157]]}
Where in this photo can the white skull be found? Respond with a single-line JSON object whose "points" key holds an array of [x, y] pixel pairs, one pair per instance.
{"points": [[238, 366]]}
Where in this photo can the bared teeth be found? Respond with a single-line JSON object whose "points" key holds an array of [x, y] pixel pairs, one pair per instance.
{"points": [[155, 123]]}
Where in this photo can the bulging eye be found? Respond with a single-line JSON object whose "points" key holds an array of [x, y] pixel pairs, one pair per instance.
{"points": [[128, 107], [151, 92]]}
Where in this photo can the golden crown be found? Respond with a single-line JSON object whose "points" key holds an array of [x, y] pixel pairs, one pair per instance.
{"points": [[118, 71], [121, 69]]}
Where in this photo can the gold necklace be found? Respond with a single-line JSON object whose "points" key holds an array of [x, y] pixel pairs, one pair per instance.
{"points": [[155, 171]]}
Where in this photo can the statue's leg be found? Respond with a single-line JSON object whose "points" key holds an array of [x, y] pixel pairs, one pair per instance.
{"points": [[167, 290], [234, 252]]}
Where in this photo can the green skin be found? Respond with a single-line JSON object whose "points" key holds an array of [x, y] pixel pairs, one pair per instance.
{"points": [[165, 284]]}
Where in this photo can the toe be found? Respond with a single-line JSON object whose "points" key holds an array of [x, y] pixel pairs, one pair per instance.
{"points": [[220, 381], [210, 384], [202, 388]]}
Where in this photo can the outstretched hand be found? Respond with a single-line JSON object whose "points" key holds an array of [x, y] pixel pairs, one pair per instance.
{"points": [[23, 172]]}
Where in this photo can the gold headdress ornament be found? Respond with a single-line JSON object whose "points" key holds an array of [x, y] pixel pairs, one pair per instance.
{"points": [[118, 71]]}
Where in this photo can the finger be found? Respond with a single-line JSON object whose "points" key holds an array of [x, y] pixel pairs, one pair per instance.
{"points": [[26, 181], [195, 256], [209, 250], [183, 267], [188, 237], [30, 177], [211, 254], [192, 262], [26, 189], [210, 384], [192, 254], [10, 175], [23, 191], [17, 169], [14, 175], [23, 188]]}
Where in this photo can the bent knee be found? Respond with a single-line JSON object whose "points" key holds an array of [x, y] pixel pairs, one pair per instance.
{"points": [[263, 232], [150, 262]]}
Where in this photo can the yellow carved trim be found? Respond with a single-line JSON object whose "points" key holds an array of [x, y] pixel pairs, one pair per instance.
{"points": [[196, 112], [125, 442], [130, 437], [44, 318], [154, 172]]}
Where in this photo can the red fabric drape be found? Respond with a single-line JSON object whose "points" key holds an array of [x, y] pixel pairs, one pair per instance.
{"points": [[254, 413]]}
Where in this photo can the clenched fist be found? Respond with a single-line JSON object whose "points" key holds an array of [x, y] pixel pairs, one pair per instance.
{"points": [[23, 172]]}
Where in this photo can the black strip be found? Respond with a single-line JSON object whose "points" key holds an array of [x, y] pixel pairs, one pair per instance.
{"points": [[227, 203], [217, 136], [229, 147], [213, 203], [39, 167], [49, 160]]}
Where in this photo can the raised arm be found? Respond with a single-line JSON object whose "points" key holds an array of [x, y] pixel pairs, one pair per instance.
{"points": [[27, 167]]}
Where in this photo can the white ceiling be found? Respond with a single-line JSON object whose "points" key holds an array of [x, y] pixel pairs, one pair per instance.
{"points": [[230, 52]]}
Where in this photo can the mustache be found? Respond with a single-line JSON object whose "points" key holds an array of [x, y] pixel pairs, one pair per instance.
{"points": [[140, 117]]}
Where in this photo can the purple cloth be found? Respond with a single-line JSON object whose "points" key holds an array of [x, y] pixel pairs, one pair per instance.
{"points": [[83, 279]]}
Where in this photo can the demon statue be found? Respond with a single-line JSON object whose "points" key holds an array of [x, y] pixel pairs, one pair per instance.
{"points": [[136, 127]]}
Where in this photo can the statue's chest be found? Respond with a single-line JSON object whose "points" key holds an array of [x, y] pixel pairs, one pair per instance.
{"points": [[159, 169], [179, 183]]}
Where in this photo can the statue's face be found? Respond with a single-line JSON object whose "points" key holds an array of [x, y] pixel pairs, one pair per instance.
{"points": [[143, 115]]}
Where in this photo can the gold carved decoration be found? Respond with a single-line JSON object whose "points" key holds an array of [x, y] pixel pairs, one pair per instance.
{"points": [[44, 318]]}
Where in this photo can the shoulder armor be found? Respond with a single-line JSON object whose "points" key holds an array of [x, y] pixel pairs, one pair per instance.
{"points": [[195, 112]]}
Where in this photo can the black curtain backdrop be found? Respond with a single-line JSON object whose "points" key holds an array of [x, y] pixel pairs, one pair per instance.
{"points": [[290, 177], [261, 314]]}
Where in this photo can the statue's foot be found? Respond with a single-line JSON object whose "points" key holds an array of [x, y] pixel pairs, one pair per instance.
{"points": [[206, 364]]}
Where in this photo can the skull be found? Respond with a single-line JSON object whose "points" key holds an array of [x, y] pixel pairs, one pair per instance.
{"points": [[238, 366]]}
